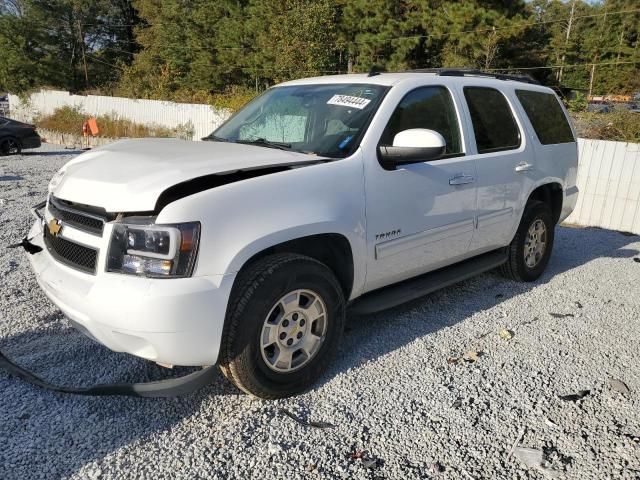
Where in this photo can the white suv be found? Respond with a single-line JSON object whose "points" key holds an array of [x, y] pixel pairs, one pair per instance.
{"points": [[321, 195]]}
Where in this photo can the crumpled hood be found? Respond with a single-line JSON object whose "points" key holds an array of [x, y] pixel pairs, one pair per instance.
{"points": [[130, 175]]}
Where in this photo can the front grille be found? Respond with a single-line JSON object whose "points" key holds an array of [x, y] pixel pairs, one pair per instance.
{"points": [[70, 253], [92, 222]]}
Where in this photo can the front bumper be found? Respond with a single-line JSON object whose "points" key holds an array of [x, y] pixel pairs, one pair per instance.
{"points": [[169, 321]]}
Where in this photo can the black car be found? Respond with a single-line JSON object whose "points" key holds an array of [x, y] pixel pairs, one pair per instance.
{"points": [[16, 136], [599, 107], [633, 107]]}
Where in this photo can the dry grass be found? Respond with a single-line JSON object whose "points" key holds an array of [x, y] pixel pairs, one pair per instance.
{"points": [[70, 120]]}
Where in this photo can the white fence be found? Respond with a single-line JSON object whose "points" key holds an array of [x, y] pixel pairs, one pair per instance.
{"points": [[609, 184], [202, 118]]}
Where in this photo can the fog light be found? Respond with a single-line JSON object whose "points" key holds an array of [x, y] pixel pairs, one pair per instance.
{"points": [[140, 265]]}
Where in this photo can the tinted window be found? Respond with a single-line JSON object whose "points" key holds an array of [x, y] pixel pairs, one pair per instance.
{"points": [[546, 116], [426, 107], [493, 123]]}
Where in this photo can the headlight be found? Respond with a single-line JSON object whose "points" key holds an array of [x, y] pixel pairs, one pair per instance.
{"points": [[140, 247]]}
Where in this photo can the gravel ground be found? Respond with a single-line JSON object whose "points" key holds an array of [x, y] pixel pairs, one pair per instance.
{"points": [[398, 405]]}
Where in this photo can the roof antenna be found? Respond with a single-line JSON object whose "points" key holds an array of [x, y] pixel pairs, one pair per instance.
{"points": [[375, 70]]}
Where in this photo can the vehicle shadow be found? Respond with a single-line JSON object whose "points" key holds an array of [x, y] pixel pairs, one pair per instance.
{"points": [[42, 426], [367, 337]]}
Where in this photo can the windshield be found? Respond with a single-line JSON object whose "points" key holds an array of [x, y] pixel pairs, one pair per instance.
{"points": [[326, 120]]}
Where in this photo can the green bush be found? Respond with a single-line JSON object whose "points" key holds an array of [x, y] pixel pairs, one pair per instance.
{"points": [[578, 103], [232, 99]]}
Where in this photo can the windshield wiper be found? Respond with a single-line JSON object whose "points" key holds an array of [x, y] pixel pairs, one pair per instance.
{"points": [[266, 143], [256, 141]]}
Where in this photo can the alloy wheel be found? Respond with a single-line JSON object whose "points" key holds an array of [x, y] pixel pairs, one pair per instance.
{"points": [[535, 243], [293, 331]]}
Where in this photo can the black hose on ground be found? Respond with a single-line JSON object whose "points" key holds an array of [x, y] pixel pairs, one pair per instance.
{"points": [[172, 387]]}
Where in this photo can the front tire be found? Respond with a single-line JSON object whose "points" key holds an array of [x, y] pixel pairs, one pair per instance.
{"points": [[530, 249], [284, 323], [10, 146]]}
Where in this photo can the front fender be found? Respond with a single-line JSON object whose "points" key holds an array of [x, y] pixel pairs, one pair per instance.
{"points": [[244, 218]]}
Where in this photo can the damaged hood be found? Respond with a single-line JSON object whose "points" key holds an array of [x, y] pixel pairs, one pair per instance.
{"points": [[130, 175]]}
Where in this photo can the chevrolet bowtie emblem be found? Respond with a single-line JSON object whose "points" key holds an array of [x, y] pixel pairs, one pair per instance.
{"points": [[54, 227]]}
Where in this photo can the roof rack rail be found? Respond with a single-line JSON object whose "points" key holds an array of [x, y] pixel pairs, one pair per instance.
{"points": [[469, 72]]}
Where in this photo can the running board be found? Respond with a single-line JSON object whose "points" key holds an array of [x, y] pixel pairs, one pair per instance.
{"points": [[399, 293]]}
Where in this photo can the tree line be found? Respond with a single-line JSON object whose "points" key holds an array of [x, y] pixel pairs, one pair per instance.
{"points": [[193, 50]]}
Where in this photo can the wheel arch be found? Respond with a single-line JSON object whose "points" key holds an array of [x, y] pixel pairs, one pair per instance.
{"points": [[332, 249], [551, 193]]}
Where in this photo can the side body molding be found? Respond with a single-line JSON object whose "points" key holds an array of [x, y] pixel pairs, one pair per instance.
{"points": [[488, 219], [391, 247]]}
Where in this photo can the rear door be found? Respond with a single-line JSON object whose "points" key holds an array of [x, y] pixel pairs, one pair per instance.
{"points": [[503, 158]]}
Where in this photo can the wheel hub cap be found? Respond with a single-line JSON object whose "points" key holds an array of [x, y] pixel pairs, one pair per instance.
{"points": [[293, 331], [535, 243]]}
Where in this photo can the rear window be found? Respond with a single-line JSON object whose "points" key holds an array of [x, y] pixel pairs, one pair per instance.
{"points": [[494, 127], [546, 117]]}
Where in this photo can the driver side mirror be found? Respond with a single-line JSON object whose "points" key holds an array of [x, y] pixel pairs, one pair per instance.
{"points": [[415, 145]]}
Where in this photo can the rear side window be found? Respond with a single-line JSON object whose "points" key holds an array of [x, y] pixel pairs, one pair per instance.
{"points": [[546, 116], [426, 107], [493, 123]]}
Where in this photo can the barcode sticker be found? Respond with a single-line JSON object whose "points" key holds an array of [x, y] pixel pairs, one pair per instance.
{"points": [[349, 101]]}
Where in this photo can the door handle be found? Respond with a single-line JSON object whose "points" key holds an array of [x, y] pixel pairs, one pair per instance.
{"points": [[461, 179], [523, 167]]}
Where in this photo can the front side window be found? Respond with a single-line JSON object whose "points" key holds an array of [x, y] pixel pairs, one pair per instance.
{"points": [[326, 120], [546, 116], [494, 127], [426, 107]]}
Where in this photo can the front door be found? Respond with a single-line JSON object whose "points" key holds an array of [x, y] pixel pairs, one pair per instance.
{"points": [[420, 216]]}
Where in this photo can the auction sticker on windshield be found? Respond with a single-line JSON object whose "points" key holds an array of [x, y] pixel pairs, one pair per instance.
{"points": [[349, 101]]}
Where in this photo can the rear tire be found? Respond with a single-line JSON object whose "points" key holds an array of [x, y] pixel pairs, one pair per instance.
{"points": [[10, 146], [530, 249], [283, 325]]}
